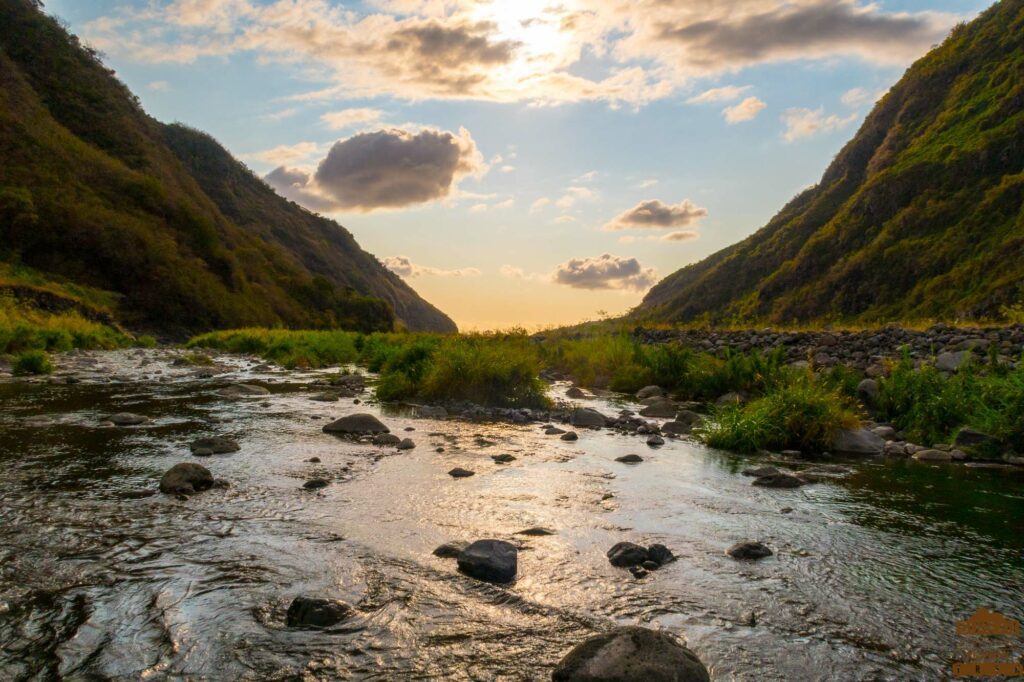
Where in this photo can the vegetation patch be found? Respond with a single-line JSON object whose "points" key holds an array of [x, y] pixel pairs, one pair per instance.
{"points": [[33, 362]]}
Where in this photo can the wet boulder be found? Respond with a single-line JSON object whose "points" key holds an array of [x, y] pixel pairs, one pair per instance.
{"points": [[217, 445], [660, 409], [185, 479], [630, 459], [490, 560], [386, 439], [587, 417], [503, 459], [406, 444], [779, 480], [575, 393], [570, 436], [243, 391], [749, 551], [356, 425], [459, 472], [316, 483], [536, 531], [326, 397], [625, 554], [126, 419], [857, 442], [553, 431], [314, 612], [760, 471], [968, 437], [660, 554], [631, 654], [655, 440]]}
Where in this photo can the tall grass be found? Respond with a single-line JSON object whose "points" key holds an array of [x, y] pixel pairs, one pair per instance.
{"points": [[306, 349], [799, 414], [28, 329]]}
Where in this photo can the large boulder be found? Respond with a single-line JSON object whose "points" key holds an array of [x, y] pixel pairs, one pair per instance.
{"points": [[867, 390], [631, 654], [662, 409], [857, 442], [587, 417], [243, 391], [186, 478], [952, 362], [575, 393], [967, 437], [314, 612], [490, 560], [356, 425], [749, 551], [649, 392]]}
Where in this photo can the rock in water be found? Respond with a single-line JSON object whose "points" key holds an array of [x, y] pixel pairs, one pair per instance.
{"points": [[356, 424], [857, 442], [553, 431], [215, 444], [649, 392], [631, 654], [385, 439], [431, 412], [314, 612], [503, 459], [242, 391], [625, 554], [316, 483], [630, 459], [761, 471], [536, 531], [459, 472], [660, 554], [127, 419], [406, 444], [749, 551], [779, 481], [575, 393], [490, 560], [655, 440], [587, 417], [662, 408], [186, 478], [326, 397], [571, 435]]}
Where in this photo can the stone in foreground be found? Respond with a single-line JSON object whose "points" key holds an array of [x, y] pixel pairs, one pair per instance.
{"points": [[625, 554], [356, 425], [631, 654], [185, 479], [459, 472], [749, 551], [587, 417], [630, 459], [215, 444], [491, 560], [314, 612]]}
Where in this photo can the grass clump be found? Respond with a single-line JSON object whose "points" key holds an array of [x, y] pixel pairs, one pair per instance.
{"points": [[305, 349], [23, 328], [800, 414], [33, 362]]}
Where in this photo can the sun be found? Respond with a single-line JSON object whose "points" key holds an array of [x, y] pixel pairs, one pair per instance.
{"points": [[534, 25]]}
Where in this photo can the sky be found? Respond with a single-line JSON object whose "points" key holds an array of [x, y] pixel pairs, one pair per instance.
{"points": [[523, 162]]}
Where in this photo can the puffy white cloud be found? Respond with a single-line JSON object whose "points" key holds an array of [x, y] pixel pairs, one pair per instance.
{"points": [[801, 123], [349, 118], [746, 110], [657, 214], [726, 93], [386, 169], [539, 204], [605, 272], [405, 268]]}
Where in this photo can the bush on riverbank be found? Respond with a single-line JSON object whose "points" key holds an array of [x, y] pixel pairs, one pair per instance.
{"points": [[306, 349], [23, 328], [800, 413], [33, 362]]}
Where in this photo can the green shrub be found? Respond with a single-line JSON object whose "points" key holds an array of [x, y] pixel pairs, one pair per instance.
{"points": [[802, 414], [33, 362], [485, 370]]}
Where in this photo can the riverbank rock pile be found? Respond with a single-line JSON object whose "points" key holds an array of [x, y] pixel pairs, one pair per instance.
{"points": [[861, 349]]}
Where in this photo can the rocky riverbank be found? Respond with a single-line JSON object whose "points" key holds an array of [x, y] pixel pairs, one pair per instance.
{"points": [[864, 350]]}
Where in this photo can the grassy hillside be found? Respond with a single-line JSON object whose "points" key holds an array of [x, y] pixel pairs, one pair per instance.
{"points": [[920, 216], [92, 192]]}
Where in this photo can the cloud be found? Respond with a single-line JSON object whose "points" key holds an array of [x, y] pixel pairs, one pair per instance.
{"points": [[724, 94], [858, 97], [528, 51], [405, 268], [746, 110], [801, 123], [539, 204], [512, 272], [647, 184], [284, 154], [605, 272], [349, 118], [572, 195], [507, 168], [159, 86], [656, 214], [589, 176], [564, 220], [387, 169], [680, 236]]}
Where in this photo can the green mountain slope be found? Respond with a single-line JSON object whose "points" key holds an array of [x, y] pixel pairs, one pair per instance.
{"points": [[920, 216], [94, 191]]}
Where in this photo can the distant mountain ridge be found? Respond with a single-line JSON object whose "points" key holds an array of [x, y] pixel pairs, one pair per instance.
{"points": [[94, 191], [920, 216]]}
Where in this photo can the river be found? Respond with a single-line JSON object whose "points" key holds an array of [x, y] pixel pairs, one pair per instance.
{"points": [[103, 578]]}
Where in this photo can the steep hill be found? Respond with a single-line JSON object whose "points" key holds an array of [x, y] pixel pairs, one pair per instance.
{"points": [[921, 215], [96, 192]]}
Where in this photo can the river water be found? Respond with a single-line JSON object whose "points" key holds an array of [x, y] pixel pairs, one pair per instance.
{"points": [[102, 578]]}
